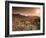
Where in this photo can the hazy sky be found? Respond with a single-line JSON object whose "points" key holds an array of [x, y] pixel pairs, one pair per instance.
{"points": [[26, 11]]}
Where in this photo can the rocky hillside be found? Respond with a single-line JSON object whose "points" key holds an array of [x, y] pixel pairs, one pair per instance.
{"points": [[21, 22]]}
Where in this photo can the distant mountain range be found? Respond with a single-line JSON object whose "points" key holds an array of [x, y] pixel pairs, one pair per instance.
{"points": [[26, 17]]}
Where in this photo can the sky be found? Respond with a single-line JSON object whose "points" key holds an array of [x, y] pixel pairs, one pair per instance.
{"points": [[26, 11]]}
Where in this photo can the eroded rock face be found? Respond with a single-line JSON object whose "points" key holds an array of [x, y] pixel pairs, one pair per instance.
{"points": [[23, 23]]}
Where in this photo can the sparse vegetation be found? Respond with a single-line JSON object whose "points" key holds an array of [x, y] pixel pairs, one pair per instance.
{"points": [[21, 22]]}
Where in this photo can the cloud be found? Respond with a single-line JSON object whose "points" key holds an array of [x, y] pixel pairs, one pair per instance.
{"points": [[27, 11]]}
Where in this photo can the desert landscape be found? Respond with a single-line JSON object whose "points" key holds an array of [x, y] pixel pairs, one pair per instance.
{"points": [[25, 19]]}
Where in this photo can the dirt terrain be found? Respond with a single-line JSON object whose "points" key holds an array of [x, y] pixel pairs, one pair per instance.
{"points": [[25, 23]]}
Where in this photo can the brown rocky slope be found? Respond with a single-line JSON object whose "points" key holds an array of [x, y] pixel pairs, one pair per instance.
{"points": [[25, 23]]}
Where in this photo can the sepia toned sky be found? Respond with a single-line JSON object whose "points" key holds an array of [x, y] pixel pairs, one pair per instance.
{"points": [[26, 11]]}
